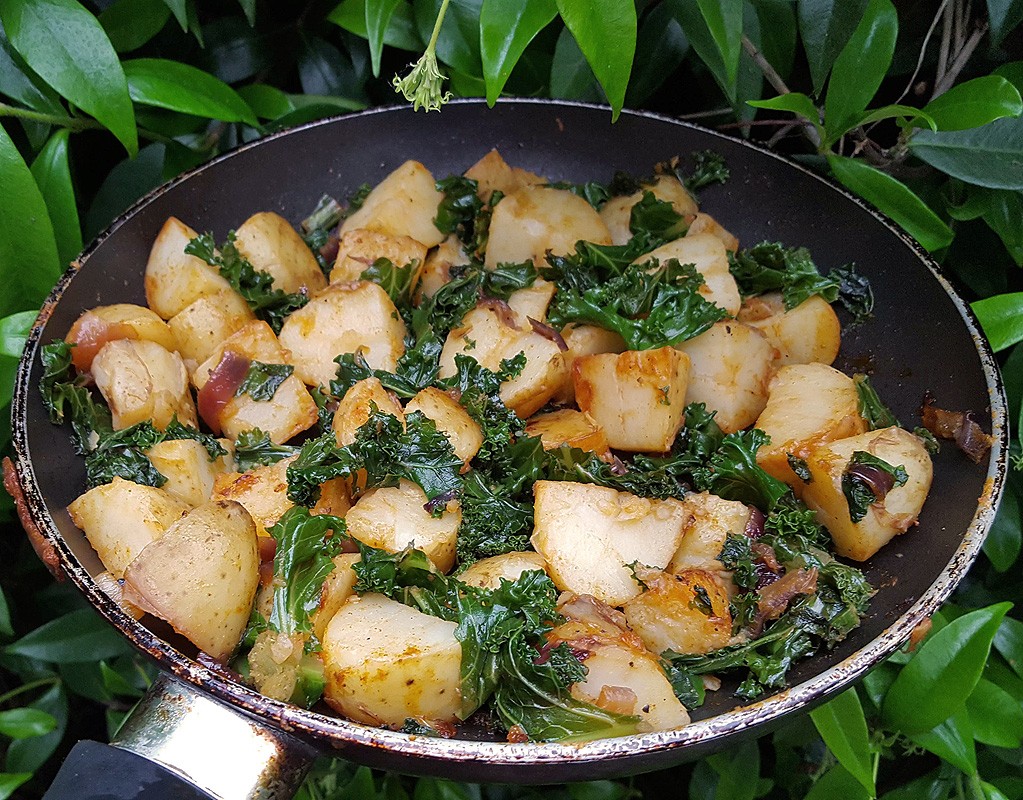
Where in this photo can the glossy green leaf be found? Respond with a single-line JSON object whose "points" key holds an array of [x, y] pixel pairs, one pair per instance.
{"points": [[458, 44], [6, 630], [52, 172], [893, 198], [181, 87], [992, 792], [125, 184], [266, 102], [13, 332], [1009, 643], [724, 21], [1001, 317], [571, 76], [904, 115], [506, 29], [995, 716], [935, 684], [951, 741], [401, 32], [737, 772], [661, 46], [1002, 546], [21, 84], [378, 18], [975, 103], [1005, 16], [69, 49], [605, 31], [28, 249], [249, 10], [990, 156], [825, 27], [694, 26], [324, 70], [131, 23], [843, 728], [21, 723], [78, 636], [778, 33], [10, 781], [796, 102], [28, 755], [860, 67], [836, 783]]}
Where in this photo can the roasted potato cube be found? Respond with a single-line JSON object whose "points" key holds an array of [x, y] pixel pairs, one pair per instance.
{"points": [[359, 249], [451, 419], [268, 242], [493, 173], [884, 519], [338, 586], [393, 518], [589, 535], [141, 381], [201, 576], [435, 271], [112, 588], [705, 252], [638, 398], [532, 302], [402, 204], [175, 280], [96, 327], [263, 491], [574, 428], [730, 369], [207, 322], [346, 318], [187, 467], [808, 405], [686, 612], [808, 333], [617, 212], [487, 573], [386, 662], [120, 518], [711, 519], [585, 340], [536, 219], [289, 412], [357, 406], [705, 223]]}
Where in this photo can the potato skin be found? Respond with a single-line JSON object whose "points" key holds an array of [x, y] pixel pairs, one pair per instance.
{"points": [[705, 223], [140, 380], [103, 324]]}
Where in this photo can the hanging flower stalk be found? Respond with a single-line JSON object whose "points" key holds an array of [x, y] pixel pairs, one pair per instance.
{"points": [[423, 85]]}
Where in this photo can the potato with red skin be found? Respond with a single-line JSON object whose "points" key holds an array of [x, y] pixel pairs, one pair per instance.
{"points": [[102, 324]]}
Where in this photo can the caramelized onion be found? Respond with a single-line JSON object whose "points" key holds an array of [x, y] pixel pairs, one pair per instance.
{"points": [[617, 699], [775, 598], [879, 481], [88, 335], [220, 387], [958, 425], [755, 523], [547, 332], [504, 312]]}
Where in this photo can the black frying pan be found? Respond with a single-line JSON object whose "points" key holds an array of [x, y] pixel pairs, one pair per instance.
{"points": [[922, 337]]}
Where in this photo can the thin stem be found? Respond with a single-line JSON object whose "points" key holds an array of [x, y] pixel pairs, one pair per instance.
{"points": [[436, 25], [27, 687], [923, 50], [716, 112], [770, 73], [961, 58], [72, 123]]}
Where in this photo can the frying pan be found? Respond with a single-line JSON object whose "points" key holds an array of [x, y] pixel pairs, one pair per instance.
{"points": [[922, 337]]}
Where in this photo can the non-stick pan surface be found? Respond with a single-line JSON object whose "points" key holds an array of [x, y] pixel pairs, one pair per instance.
{"points": [[921, 338]]}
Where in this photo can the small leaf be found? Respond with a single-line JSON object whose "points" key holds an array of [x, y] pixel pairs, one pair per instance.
{"points": [[1002, 545], [904, 115], [975, 103], [951, 741], [28, 249], [893, 198], [52, 172], [605, 31], [796, 102], [935, 684], [10, 781], [506, 29], [68, 48], [1001, 317], [843, 728], [13, 333], [661, 46], [401, 32], [378, 18], [837, 782], [995, 716], [23, 723], [75, 637], [825, 27], [1009, 642], [1004, 15], [28, 755], [131, 23], [860, 67], [181, 87], [991, 155], [724, 21]]}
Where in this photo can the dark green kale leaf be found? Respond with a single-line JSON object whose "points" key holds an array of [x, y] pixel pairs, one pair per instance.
{"points": [[358, 198], [770, 266], [591, 265], [737, 556], [262, 381], [319, 232], [871, 408], [254, 448], [492, 522], [593, 192], [708, 167], [459, 208], [655, 219], [65, 396], [799, 468], [393, 279], [733, 473], [855, 293], [456, 298], [255, 286], [867, 480]]}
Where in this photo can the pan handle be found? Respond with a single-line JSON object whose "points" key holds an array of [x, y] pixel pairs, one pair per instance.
{"points": [[190, 746]]}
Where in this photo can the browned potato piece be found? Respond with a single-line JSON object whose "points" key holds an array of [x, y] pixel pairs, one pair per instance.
{"points": [[360, 248], [271, 245], [187, 467], [730, 369], [201, 576], [345, 318], [585, 340], [686, 612], [435, 271], [493, 173], [393, 518], [808, 405], [705, 223], [708, 255], [338, 586], [402, 204], [175, 280], [120, 518], [574, 428], [617, 211], [202, 325], [289, 412], [386, 662], [488, 572], [96, 327], [895, 514], [141, 381], [808, 333], [712, 519], [112, 588], [638, 398], [588, 535], [534, 220], [451, 419], [532, 301], [356, 407]]}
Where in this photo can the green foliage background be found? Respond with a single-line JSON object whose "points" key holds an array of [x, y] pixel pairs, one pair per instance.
{"points": [[913, 104]]}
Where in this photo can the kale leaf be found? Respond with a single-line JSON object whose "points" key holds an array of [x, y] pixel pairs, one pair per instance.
{"points": [[708, 167], [254, 448], [799, 468], [737, 556], [871, 408], [459, 208], [854, 291], [733, 473], [394, 279], [867, 480], [655, 219], [319, 232], [770, 266], [262, 381]]}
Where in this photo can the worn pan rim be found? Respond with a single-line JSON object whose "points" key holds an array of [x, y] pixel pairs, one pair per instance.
{"points": [[343, 733]]}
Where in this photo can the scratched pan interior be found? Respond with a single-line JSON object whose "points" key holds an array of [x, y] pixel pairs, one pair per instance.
{"points": [[920, 338]]}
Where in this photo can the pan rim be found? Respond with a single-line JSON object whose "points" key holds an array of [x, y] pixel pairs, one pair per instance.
{"points": [[343, 733]]}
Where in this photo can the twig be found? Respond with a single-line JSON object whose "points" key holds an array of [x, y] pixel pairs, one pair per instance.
{"points": [[946, 44], [74, 124], [781, 133], [923, 50], [961, 58], [716, 112], [776, 81]]}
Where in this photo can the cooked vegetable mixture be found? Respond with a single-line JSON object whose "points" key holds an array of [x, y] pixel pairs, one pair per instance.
{"points": [[541, 457]]}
